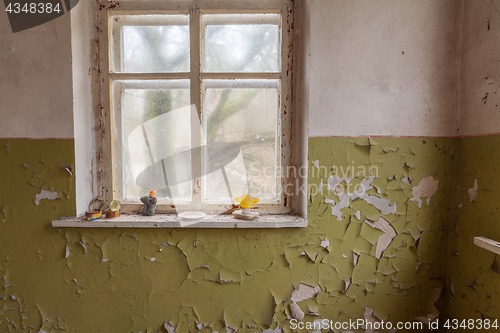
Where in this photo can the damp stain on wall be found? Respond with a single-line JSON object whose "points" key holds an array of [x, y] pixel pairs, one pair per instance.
{"points": [[379, 257]]}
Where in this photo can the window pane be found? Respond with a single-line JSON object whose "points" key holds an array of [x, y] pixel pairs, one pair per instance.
{"points": [[153, 138], [150, 43], [243, 112], [241, 43]]}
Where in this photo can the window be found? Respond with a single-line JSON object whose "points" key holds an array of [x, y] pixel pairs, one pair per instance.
{"points": [[197, 103]]}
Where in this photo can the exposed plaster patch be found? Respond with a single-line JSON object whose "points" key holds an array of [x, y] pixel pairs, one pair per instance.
{"points": [[355, 258], [330, 201], [317, 323], [296, 312], [325, 243], [385, 240], [347, 284], [371, 318], [383, 205], [427, 187], [46, 195], [316, 164], [472, 192], [305, 292], [169, 328]]}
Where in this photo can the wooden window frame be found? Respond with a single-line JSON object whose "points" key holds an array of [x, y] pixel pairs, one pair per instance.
{"points": [[195, 9]]}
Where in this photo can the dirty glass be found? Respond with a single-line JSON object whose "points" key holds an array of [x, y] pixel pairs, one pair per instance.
{"points": [[151, 43], [245, 113], [152, 136], [241, 43]]}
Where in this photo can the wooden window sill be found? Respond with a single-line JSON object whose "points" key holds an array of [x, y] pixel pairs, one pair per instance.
{"points": [[171, 221]]}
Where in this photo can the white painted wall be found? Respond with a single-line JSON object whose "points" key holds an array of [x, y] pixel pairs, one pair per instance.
{"points": [[480, 75], [35, 80], [361, 83], [83, 32]]}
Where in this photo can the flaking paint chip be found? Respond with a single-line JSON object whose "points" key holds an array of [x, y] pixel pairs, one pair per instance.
{"points": [[370, 317], [355, 259], [169, 328], [46, 195], [386, 238], [276, 330], [472, 192], [427, 187], [296, 312], [305, 292], [382, 204]]}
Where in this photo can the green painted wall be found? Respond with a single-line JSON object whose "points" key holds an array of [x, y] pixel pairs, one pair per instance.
{"points": [[34, 284], [474, 280], [76, 280]]}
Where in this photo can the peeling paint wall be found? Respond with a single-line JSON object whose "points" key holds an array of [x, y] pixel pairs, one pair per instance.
{"points": [[390, 259], [383, 266], [37, 186]]}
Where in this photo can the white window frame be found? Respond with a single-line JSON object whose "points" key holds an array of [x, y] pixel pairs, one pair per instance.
{"points": [[195, 8]]}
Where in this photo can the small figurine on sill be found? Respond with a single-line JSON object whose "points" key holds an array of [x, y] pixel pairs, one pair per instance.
{"points": [[246, 202], [149, 204]]}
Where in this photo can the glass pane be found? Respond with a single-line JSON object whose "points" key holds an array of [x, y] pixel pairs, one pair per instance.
{"points": [[245, 113], [153, 138], [241, 43], [151, 43]]}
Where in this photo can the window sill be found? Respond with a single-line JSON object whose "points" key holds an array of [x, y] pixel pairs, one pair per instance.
{"points": [[487, 244], [171, 221]]}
